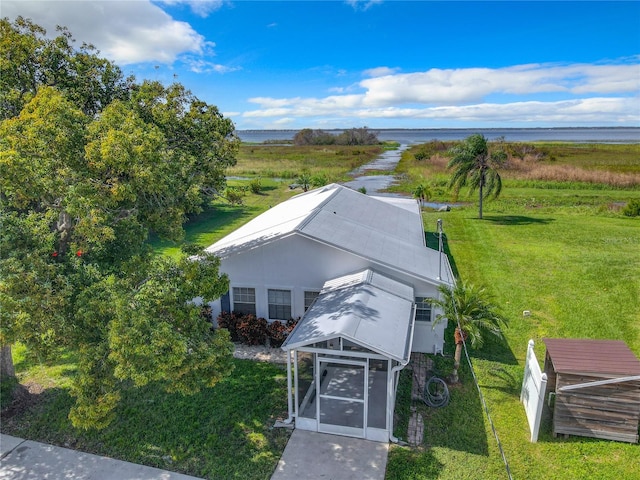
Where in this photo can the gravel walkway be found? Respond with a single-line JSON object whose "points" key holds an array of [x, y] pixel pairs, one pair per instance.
{"points": [[260, 353]]}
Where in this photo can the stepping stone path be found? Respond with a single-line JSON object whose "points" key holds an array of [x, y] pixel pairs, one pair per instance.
{"points": [[415, 432], [421, 366]]}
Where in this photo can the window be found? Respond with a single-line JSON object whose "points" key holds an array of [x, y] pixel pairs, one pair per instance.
{"points": [[309, 297], [423, 309], [279, 304], [244, 300]]}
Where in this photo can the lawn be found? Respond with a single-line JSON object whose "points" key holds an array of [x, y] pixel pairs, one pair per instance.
{"points": [[222, 432], [568, 256], [559, 249], [221, 218]]}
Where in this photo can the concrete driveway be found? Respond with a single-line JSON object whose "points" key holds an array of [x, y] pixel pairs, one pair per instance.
{"points": [[26, 460], [311, 455]]}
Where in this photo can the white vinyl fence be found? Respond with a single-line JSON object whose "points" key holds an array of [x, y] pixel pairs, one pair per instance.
{"points": [[534, 385]]}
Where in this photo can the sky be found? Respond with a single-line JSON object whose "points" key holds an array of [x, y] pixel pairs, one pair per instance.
{"points": [[375, 63]]}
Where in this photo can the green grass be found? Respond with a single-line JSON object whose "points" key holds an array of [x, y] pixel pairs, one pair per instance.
{"points": [[221, 218], [562, 250], [222, 432], [56, 371], [575, 264]]}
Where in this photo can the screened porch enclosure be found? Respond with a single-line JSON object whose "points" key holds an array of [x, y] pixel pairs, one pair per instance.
{"points": [[345, 355], [348, 396]]}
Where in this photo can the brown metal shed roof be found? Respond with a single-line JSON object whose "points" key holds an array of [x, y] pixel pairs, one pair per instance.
{"points": [[611, 357]]}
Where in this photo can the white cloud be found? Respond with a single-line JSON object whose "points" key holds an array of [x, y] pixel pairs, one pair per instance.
{"points": [[199, 65], [380, 71], [127, 32], [362, 5], [574, 112], [578, 94], [460, 86], [201, 8]]}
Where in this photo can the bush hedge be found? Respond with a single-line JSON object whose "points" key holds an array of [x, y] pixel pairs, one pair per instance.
{"points": [[252, 330]]}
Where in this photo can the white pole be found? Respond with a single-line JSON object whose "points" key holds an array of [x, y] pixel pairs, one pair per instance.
{"points": [[439, 223]]}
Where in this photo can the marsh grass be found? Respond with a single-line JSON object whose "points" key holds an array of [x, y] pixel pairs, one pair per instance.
{"points": [[570, 173], [288, 162], [586, 166]]}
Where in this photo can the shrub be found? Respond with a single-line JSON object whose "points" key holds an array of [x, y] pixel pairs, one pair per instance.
{"points": [[255, 186], [421, 155], [234, 196], [230, 321], [277, 332], [319, 180], [252, 330], [632, 209]]}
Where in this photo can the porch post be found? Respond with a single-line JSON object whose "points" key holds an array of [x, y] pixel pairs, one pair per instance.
{"points": [[295, 382], [289, 385]]}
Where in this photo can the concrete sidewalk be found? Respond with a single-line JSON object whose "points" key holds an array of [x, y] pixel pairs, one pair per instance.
{"points": [[311, 455], [26, 460], [308, 455]]}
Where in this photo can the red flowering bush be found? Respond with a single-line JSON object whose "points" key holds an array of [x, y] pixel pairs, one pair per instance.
{"points": [[277, 332], [230, 320], [252, 330]]}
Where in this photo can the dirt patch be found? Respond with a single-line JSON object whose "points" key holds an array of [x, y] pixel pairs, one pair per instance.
{"points": [[24, 396]]}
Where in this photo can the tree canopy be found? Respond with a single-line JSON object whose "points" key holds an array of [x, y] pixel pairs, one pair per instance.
{"points": [[90, 165], [30, 60]]}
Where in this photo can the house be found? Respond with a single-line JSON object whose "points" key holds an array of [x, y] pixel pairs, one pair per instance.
{"points": [[357, 271]]}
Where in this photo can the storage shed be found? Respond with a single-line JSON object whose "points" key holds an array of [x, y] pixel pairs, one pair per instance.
{"points": [[597, 388]]}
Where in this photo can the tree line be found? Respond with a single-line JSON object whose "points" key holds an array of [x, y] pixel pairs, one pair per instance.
{"points": [[353, 136]]}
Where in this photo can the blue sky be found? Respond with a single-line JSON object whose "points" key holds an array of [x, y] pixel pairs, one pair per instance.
{"points": [[381, 64]]}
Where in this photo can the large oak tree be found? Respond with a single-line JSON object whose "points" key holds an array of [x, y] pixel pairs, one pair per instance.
{"points": [[90, 164]]}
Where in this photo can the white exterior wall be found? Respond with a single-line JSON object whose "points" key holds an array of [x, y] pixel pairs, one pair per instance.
{"points": [[299, 264]]}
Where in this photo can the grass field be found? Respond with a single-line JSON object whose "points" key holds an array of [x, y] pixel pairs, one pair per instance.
{"points": [[579, 275], [565, 253], [560, 249]]}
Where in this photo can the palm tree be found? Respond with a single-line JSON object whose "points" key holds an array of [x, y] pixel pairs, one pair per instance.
{"points": [[304, 180], [471, 308], [476, 165], [422, 192]]}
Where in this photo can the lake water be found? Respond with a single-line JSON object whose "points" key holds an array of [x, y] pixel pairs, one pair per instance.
{"points": [[412, 136]]}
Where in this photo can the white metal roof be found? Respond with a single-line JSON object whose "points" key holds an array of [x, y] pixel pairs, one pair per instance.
{"points": [[366, 308], [276, 222], [386, 232]]}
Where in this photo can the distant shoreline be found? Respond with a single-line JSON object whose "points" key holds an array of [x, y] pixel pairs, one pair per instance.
{"points": [[624, 135]]}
